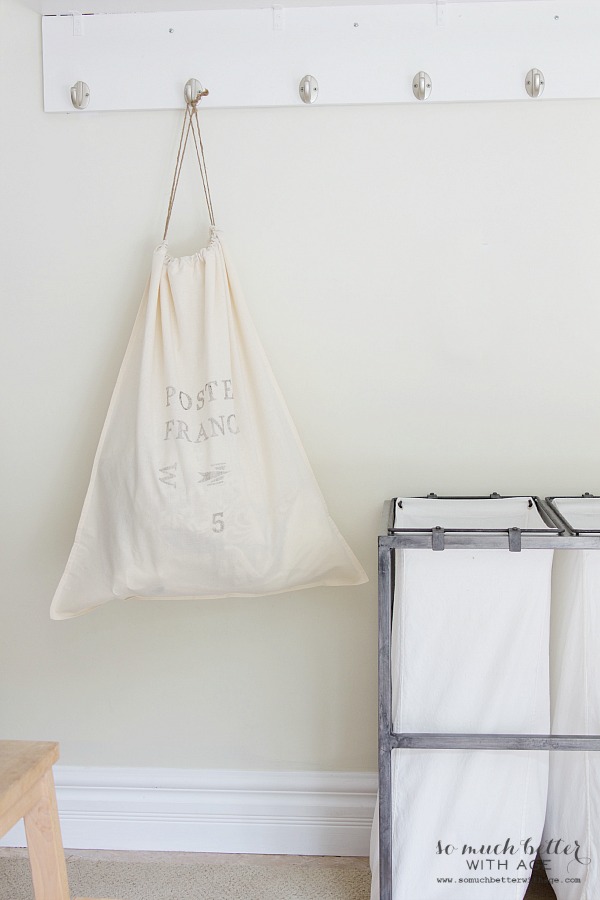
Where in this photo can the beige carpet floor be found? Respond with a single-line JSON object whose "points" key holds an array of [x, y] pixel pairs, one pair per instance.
{"points": [[196, 876], [206, 876]]}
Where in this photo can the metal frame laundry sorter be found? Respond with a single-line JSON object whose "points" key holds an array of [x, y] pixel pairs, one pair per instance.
{"points": [[558, 536]]}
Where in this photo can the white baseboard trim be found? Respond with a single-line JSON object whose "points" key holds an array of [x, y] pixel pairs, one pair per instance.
{"points": [[305, 813]]}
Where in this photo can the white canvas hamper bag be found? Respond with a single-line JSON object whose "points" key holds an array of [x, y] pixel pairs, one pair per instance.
{"points": [[571, 845], [200, 487], [470, 633]]}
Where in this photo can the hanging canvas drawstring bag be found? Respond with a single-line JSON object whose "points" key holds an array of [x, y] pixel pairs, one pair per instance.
{"points": [[200, 487]]}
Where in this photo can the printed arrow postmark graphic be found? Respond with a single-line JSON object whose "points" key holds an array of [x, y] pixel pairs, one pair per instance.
{"points": [[215, 475]]}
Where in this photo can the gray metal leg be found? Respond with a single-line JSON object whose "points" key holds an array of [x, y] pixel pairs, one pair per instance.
{"points": [[385, 724], [385, 826]]}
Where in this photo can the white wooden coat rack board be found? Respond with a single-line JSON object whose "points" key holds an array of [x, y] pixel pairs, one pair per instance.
{"points": [[307, 56]]}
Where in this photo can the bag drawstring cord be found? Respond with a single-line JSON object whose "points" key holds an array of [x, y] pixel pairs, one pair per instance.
{"points": [[190, 119]]}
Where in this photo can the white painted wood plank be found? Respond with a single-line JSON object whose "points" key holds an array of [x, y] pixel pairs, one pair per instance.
{"points": [[56, 7], [359, 54]]}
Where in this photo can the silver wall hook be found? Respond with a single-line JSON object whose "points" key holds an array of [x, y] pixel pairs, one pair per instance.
{"points": [[308, 89], [80, 95], [193, 90], [421, 86], [534, 83]]}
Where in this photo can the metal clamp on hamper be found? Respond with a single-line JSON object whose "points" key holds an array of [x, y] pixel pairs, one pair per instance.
{"points": [[514, 540], [437, 538]]}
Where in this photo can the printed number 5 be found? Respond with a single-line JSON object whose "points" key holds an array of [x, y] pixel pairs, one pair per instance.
{"points": [[218, 523]]}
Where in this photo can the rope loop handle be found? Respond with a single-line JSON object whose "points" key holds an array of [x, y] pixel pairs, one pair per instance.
{"points": [[190, 123]]}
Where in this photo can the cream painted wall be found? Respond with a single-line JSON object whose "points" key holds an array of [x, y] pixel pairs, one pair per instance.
{"points": [[425, 280]]}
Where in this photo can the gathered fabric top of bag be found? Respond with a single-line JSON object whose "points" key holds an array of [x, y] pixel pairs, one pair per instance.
{"points": [[200, 487]]}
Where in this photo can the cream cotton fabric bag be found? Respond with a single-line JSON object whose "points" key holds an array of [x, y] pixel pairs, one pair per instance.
{"points": [[200, 487]]}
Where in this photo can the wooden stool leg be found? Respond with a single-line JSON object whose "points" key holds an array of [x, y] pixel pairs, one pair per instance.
{"points": [[44, 841]]}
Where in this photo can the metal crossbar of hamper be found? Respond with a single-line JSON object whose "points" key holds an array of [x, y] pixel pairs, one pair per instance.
{"points": [[559, 536]]}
